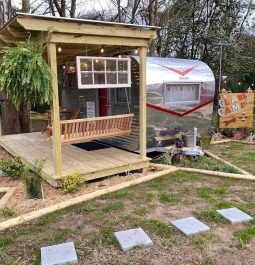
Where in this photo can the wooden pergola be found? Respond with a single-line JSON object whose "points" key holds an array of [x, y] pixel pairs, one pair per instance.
{"points": [[75, 36]]}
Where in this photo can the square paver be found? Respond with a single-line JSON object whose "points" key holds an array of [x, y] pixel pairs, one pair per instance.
{"points": [[235, 216], [59, 254], [190, 226], [131, 238]]}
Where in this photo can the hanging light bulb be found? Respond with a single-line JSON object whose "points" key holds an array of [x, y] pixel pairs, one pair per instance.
{"points": [[136, 51], [59, 49], [120, 56], [102, 49]]}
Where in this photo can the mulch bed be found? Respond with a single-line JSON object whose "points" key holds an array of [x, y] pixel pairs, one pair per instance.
{"points": [[21, 203]]}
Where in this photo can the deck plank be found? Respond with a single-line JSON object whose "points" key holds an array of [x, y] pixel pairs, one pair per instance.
{"points": [[96, 163]]}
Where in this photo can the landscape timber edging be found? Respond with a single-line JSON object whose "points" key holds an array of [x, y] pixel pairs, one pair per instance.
{"points": [[73, 201]]}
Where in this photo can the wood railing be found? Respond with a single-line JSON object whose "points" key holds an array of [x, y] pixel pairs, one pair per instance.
{"points": [[83, 130]]}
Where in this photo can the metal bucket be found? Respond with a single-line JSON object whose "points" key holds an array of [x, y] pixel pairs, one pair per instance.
{"points": [[188, 140]]}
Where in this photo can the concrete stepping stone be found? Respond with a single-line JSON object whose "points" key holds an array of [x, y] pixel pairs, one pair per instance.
{"points": [[131, 238], [190, 226], [59, 254], [235, 216]]}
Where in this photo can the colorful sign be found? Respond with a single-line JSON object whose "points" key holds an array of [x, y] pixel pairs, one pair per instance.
{"points": [[236, 109]]}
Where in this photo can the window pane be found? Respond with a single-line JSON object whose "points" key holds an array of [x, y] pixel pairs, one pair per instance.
{"points": [[122, 65], [99, 78], [86, 64], [110, 65], [111, 78], [122, 78], [99, 64], [86, 79]]}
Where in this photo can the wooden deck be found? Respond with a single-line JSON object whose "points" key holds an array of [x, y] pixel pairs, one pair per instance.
{"points": [[91, 164]]}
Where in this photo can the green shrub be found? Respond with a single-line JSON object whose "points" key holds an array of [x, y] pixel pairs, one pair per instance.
{"points": [[72, 182], [33, 181], [13, 167]]}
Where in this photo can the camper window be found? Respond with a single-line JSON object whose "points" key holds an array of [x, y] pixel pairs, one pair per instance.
{"points": [[98, 72], [182, 93]]}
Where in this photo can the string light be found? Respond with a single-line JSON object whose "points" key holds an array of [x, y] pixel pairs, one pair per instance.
{"points": [[239, 84], [136, 51], [120, 56], [102, 49], [59, 49]]}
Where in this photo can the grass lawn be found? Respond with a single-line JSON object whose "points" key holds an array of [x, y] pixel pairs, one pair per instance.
{"points": [[241, 155], [151, 206], [37, 121]]}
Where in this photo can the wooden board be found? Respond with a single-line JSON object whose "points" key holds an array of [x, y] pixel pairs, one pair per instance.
{"points": [[91, 164], [236, 109]]}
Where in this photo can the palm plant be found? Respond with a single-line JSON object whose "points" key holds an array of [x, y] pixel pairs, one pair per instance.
{"points": [[25, 75]]}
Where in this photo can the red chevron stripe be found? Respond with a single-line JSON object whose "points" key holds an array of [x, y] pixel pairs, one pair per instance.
{"points": [[182, 73], [177, 113]]}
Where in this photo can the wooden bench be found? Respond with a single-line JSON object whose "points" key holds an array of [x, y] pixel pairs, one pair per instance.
{"points": [[89, 129]]}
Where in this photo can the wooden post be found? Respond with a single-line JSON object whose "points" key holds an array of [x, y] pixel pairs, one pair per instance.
{"points": [[142, 101], [56, 137]]}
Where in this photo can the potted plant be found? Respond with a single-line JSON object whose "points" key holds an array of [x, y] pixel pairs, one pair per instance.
{"points": [[26, 78]]}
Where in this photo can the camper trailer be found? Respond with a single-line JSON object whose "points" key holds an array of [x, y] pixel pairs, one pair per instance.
{"points": [[180, 95]]}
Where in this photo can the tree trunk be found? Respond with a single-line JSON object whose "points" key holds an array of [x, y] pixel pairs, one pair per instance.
{"points": [[10, 122], [24, 118], [9, 116], [25, 6]]}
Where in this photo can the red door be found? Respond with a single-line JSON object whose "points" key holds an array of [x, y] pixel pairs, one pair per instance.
{"points": [[103, 109]]}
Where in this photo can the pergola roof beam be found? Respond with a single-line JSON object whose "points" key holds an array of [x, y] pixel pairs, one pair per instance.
{"points": [[65, 27], [89, 39]]}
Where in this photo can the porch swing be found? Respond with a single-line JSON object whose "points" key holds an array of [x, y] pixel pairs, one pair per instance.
{"points": [[89, 129]]}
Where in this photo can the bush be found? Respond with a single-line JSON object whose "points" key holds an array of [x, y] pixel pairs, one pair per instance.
{"points": [[72, 182], [13, 167], [33, 181]]}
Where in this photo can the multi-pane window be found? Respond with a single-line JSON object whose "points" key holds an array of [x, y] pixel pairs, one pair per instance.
{"points": [[182, 93], [103, 72]]}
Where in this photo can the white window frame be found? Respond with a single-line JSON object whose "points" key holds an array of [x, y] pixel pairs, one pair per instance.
{"points": [[88, 86], [181, 83]]}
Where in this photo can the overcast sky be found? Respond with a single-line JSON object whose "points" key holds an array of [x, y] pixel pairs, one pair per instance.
{"points": [[82, 4]]}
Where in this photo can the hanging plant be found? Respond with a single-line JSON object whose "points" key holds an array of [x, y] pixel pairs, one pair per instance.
{"points": [[25, 75]]}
